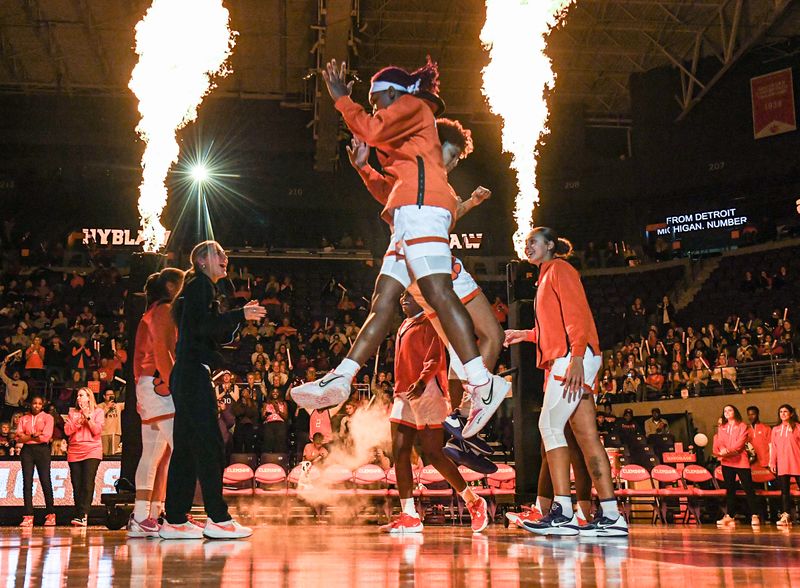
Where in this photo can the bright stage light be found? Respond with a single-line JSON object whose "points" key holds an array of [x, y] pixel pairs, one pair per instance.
{"points": [[199, 174]]}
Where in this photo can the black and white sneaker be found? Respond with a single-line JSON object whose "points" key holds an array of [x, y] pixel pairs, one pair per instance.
{"points": [[604, 526], [454, 425], [554, 523], [462, 455]]}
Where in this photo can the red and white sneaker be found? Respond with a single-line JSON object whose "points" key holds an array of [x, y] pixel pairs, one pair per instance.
{"points": [[402, 524], [185, 530], [140, 529], [229, 529], [330, 390], [477, 512], [529, 513], [27, 521], [50, 520], [193, 520], [486, 399]]}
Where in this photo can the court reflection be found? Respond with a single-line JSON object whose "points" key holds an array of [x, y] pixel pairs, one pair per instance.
{"points": [[322, 556]]}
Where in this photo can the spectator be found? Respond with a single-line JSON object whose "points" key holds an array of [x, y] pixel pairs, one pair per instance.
{"points": [[84, 426], [7, 442], [785, 458], [56, 363], [654, 383], [316, 450], [34, 433], [379, 458], [112, 425], [729, 448], [628, 428], [345, 437], [259, 355], [80, 356], [632, 386], [225, 422], [16, 391], [256, 389], [666, 312], [745, 352], [699, 378], [34, 359], [748, 284], [608, 387], [245, 433], [275, 415], [678, 379], [58, 442], [638, 318], [759, 435], [227, 391], [655, 425], [276, 372]]}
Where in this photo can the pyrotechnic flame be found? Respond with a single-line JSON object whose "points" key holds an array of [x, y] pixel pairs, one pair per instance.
{"points": [[514, 83], [181, 44]]}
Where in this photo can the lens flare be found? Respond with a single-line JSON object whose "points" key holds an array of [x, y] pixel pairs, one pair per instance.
{"points": [[514, 83], [181, 45]]}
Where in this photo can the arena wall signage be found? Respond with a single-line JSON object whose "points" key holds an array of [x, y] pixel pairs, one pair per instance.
{"points": [[694, 222], [11, 483], [117, 237], [466, 240], [772, 96]]}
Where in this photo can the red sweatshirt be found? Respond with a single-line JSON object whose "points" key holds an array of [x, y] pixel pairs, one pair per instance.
{"points": [[84, 437], [784, 455], [42, 423], [155, 344], [564, 321], [760, 438], [409, 152], [419, 355], [732, 436]]}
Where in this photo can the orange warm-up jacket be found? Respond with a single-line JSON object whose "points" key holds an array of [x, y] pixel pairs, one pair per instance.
{"points": [[419, 355], [155, 345], [409, 151], [564, 321]]}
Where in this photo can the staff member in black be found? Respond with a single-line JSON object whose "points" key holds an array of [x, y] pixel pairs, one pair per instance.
{"points": [[198, 452]]}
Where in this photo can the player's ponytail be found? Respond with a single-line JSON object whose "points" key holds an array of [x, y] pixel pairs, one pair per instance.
{"points": [[562, 248], [428, 76]]}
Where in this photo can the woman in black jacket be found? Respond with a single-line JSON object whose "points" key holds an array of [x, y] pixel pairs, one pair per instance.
{"points": [[198, 452]]}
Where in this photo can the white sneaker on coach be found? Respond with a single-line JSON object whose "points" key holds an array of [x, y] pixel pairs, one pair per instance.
{"points": [[330, 390], [185, 530], [486, 399], [229, 529]]}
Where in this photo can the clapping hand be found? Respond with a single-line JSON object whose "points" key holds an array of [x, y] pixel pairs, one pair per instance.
{"points": [[253, 311]]}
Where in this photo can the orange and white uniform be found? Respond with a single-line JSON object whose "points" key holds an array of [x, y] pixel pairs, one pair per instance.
{"points": [[760, 437], [152, 363], [419, 203], [564, 327], [420, 355]]}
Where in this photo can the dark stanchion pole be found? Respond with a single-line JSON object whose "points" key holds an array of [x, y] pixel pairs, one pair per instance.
{"points": [[528, 382], [142, 265]]}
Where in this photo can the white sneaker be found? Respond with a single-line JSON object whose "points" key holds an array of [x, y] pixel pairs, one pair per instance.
{"points": [[185, 530], [330, 390], [229, 529], [486, 399], [726, 521], [755, 521], [785, 520]]}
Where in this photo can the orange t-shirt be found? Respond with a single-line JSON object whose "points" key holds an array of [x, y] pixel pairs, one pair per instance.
{"points": [[419, 355]]}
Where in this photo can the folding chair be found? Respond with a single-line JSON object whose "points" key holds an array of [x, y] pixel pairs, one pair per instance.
{"points": [[237, 480], [632, 474]]}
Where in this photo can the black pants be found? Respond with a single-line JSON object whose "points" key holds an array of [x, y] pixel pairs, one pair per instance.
{"points": [[82, 474], [245, 438], [746, 478], [274, 438], [198, 452], [36, 455], [785, 484]]}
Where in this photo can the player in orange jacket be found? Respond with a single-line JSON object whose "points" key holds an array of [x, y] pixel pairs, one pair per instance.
{"points": [[421, 207], [568, 349], [420, 405], [154, 356]]}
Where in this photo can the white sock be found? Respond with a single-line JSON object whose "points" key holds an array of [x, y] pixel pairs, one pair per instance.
{"points": [[477, 374], [538, 505], [610, 508], [407, 506], [141, 509], [566, 504], [581, 514], [347, 368]]}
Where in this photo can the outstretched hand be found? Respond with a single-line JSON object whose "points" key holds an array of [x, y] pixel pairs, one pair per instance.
{"points": [[514, 336], [334, 76], [358, 152], [481, 195]]}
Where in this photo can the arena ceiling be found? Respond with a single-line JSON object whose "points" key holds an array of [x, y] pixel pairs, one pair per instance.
{"points": [[75, 47]]}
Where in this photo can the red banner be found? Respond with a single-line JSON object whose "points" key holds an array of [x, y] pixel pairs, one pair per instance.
{"points": [[679, 457], [773, 104], [11, 483]]}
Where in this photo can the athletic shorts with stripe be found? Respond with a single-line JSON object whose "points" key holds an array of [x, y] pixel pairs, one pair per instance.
{"points": [[427, 411], [153, 400], [420, 244], [556, 409]]}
